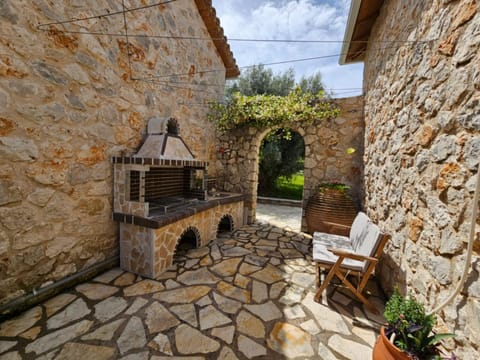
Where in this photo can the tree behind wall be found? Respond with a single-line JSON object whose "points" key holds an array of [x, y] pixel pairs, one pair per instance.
{"points": [[281, 154], [258, 81], [311, 84]]}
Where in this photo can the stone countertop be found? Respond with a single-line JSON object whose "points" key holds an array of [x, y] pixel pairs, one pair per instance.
{"points": [[156, 221]]}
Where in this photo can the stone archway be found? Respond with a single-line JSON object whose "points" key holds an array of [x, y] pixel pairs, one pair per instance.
{"points": [[282, 149], [326, 158], [238, 152], [240, 157]]}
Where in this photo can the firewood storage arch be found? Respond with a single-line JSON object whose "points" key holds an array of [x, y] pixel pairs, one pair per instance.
{"points": [[225, 224], [190, 239]]}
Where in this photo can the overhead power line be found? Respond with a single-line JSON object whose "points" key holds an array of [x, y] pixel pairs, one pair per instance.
{"points": [[206, 71], [126, 37], [155, 78], [204, 84], [105, 15], [254, 40], [172, 85], [240, 67], [125, 10]]}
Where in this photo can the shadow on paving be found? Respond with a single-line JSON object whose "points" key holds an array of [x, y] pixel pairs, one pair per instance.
{"points": [[248, 294]]}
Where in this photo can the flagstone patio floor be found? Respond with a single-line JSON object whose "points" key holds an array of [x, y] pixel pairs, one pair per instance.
{"points": [[248, 294]]}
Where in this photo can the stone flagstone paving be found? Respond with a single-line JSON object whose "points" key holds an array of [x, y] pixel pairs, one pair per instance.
{"points": [[248, 294]]}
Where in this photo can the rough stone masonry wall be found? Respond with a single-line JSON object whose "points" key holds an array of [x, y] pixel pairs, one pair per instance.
{"points": [[326, 157], [67, 104], [422, 150]]}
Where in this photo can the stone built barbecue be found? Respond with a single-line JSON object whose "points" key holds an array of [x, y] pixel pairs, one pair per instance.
{"points": [[68, 104], [161, 198]]}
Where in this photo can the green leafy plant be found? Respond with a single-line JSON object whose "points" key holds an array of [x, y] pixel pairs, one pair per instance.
{"points": [[411, 329], [334, 185], [264, 111]]}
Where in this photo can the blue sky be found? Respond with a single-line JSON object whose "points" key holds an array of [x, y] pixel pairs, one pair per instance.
{"points": [[292, 19]]}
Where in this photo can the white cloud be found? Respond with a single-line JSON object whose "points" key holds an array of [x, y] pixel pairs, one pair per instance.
{"points": [[291, 19]]}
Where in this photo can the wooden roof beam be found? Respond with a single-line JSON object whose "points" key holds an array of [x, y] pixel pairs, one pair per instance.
{"points": [[361, 19]]}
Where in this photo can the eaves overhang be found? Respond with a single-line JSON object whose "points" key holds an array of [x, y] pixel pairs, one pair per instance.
{"points": [[209, 16], [361, 18]]}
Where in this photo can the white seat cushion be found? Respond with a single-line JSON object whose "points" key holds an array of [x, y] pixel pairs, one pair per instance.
{"points": [[332, 240], [367, 244], [363, 240], [358, 227], [323, 256]]}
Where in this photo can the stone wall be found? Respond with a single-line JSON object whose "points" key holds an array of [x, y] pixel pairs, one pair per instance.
{"points": [[67, 104], [326, 157], [422, 150]]}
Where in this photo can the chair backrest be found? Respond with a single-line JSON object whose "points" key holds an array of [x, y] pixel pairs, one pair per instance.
{"points": [[365, 235]]}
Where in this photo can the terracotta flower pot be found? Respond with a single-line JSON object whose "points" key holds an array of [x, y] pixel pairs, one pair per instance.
{"points": [[385, 350], [327, 208]]}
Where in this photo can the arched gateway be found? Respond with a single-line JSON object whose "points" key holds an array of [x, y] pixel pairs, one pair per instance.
{"points": [[326, 155]]}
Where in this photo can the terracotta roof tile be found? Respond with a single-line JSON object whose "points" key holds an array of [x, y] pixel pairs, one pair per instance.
{"points": [[209, 16]]}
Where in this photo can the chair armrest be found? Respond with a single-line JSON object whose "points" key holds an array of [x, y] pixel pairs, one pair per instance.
{"points": [[330, 223], [350, 255], [336, 228]]}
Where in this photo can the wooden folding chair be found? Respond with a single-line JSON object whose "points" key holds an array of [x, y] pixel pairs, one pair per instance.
{"points": [[354, 255]]}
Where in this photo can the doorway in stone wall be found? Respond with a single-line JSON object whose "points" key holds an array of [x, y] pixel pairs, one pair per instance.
{"points": [[281, 178]]}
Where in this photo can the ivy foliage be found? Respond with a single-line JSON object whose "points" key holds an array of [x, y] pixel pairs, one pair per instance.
{"points": [[266, 111]]}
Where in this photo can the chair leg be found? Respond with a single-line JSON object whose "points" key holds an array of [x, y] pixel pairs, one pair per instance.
{"points": [[331, 273], [317, 275], [367, 303], [358, 292]]}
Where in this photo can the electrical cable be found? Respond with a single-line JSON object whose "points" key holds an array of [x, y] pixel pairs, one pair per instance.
{"points": [[166, 85], [173, 84], [180, 83], [126, 39], [240, 67], [127, 36], [180, 37], [251, 66], [471, 239], [191, 84], [104, 15]]}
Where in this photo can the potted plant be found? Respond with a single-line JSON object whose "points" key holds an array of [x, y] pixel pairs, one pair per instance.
{"points": [[334, 185], [409, 332], [331, 209]]}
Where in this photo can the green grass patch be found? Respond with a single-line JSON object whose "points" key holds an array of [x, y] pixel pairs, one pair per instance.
{"points": [[288, 188]]}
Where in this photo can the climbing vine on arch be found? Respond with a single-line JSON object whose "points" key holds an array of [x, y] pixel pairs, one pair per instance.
{"points": [[267, 111]]}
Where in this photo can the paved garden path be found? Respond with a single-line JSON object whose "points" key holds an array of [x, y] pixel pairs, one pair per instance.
{"points": [[247, 295], [280, 215]]}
